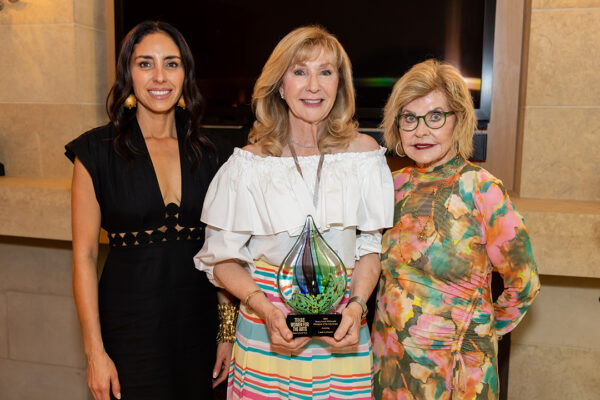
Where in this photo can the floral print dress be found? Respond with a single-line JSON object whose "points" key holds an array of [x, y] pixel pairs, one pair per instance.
{"points": [[436, 328]]}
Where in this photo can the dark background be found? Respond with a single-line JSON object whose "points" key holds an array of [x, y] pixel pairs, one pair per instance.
{"points": [[232, 39]]}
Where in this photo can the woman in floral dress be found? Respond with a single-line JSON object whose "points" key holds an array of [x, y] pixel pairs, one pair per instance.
{"points": [[436, 327]]}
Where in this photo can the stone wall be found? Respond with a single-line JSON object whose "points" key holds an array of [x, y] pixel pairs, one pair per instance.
{"points": [[54, 81], [556, 352]]}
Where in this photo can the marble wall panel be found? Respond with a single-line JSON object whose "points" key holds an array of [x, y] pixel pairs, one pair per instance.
{"points": [[3, 327], [38, 212], [35, 266], [565, 244], [19, 141], [553, 373], [32, 136], [564, 3], [90, 13], [28, 381], [78, 118], [38, 64], [559, 156], [562, 315], [563, 58], [37, 12], [90, 58], [44, 329]]}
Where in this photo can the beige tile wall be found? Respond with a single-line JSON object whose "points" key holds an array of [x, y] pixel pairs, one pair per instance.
{"points": [[33, 320], [42, 212], [41, 354], [31, 381], [565, 244], [553, 373], [33, 136], [555, 351], [3, 327], [559, 160], [38, 12], [562, 114], [54, 81]]}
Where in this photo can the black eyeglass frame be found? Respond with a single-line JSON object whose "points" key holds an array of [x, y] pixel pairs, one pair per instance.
{"points": [[419, 117]]}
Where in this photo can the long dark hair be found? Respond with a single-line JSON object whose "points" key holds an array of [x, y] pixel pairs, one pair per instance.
{"points": [[122, 118]]}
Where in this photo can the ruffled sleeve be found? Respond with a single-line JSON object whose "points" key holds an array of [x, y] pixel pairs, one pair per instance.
{"points": [[254, 198], [376, 210], [221, 245], [236, 199], [266, 196], [367, 243]]}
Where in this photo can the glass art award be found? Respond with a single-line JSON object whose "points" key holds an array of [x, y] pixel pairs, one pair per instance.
{"points": [[312, 280]]}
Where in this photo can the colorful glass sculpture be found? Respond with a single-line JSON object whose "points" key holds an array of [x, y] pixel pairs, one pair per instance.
{"points": [[312, 278]]}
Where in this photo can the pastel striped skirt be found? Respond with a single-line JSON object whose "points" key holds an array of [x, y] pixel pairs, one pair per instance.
{"points": [[316, 371]]}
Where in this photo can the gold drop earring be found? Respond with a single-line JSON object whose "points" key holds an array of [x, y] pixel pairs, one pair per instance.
{"points": [[181, 102], [130, 102]]}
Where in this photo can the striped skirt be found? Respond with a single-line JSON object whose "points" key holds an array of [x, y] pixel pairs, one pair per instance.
{"points": [[316, 371]]}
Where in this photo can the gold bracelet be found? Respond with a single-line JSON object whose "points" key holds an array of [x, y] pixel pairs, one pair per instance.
{"points": [[257, 291], [227, 320]]}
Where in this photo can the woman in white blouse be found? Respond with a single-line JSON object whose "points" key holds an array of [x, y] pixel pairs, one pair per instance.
{"points": [[305, 141]]}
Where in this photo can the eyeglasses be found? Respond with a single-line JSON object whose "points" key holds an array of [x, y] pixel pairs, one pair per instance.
{"points": [[435, 119]]}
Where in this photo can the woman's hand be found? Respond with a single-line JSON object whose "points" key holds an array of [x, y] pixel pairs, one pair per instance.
{"points": [[222, 362], [348, 333], [233, 277], [279, 333], [102, 377]]}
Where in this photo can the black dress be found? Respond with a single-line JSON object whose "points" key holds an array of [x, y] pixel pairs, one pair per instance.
{"points": [[157, 311]]}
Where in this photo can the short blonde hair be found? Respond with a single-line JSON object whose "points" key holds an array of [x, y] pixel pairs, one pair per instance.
{"points": [[419, 81], [272, 121]]}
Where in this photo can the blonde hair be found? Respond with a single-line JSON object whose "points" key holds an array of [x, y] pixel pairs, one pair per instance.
{"points": [[272, 121], [419, 81]]}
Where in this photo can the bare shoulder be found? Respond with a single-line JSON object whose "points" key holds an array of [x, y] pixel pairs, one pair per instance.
{"points": [[361, 143]]}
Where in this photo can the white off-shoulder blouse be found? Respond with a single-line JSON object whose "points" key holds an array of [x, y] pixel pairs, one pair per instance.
{"points": [[255, 207]]}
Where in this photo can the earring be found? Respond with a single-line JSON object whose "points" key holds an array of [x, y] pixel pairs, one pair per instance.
{"points": [[130, 102], [282, 96], [181, 102], [397, 152]]}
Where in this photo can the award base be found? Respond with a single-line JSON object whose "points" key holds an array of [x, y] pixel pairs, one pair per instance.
{"points": [[313, 324]]}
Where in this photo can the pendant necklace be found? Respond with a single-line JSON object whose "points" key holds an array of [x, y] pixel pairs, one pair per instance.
{"points": [[306, 146], [319, 169], [426, 229]]}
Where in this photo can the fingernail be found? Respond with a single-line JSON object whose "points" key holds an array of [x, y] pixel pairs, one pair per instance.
{"points": [[215, 375], [118, 396]]}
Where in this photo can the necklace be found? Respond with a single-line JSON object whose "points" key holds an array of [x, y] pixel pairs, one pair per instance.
{"points": [[426, 230], [311, 146], [432, 191], [428, 227], [319, 169]]}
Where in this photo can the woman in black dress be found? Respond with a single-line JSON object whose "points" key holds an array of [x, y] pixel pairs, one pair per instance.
{"points": [[149, 325]]}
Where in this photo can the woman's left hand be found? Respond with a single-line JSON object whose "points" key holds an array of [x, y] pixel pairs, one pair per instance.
{"points": [[347, 334], [221, 369]]}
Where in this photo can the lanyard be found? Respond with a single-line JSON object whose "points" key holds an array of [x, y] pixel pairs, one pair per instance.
{"points": [[319, 169]]}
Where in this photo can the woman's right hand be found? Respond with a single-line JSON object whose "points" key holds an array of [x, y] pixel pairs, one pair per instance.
{"points": [[279, 333], [233, 277], [102, 377]]}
